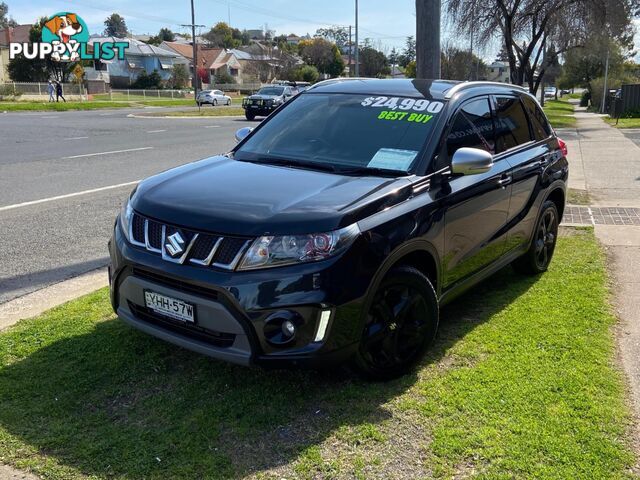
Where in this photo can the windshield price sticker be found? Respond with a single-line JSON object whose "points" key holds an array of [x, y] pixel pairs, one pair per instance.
{"points": [[405, 104]]}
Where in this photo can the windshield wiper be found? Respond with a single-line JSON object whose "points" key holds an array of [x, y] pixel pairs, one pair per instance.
{"points": [[383, 172], [284, 162]]}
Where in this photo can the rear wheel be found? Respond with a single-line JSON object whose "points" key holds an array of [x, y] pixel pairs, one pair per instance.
{"points": [[228, 102], [250, 116], [215, 103], [401, 323], [539, 255]]}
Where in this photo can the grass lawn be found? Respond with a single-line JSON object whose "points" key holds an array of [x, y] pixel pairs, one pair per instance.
{"points": [[521, 383], [578, 197], [205, 111], [623, 122], [560, 113]]}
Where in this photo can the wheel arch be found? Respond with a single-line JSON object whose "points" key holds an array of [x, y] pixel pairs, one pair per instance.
{"points": [[558, 196]]}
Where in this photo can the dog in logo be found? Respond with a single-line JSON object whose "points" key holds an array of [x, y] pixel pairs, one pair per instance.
{"points": [[64, 27]]}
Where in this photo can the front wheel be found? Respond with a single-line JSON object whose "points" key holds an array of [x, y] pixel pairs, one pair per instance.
{"points": [[250, 116], [401, 323], [215, 103], [539, 255]]}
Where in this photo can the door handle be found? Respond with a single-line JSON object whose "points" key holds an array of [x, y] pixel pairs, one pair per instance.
{"points": [[505, 180]]}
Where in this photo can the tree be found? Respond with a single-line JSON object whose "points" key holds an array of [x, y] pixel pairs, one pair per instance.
{"points": [[427, 38], [222, 35], [527, 27], [373, 63], [115, 26], [179, 76], [323, 55], [582, 65], [38, 70], [409, 53], [305, 73], [394, 57], [337, 35], [410, 70], [5, 20], [164, 35], [458, 64]]}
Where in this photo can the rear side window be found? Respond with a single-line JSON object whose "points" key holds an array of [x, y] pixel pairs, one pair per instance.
{"points": [[512, 127], [539, 124], [472, 127]]}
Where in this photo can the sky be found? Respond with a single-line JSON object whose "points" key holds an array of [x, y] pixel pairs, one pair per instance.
{"points": [[388, 23]]}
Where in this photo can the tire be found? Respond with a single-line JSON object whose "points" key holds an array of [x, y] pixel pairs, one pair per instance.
{"points": [[250, 116], [228, 103], [540, 253], [401, 323], [215, 103], [199, 104]]}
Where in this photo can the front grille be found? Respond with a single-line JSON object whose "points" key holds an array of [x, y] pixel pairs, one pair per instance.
{"points": [[199, 248], [217, 339]]}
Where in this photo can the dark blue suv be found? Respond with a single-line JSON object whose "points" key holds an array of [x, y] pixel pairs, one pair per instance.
{"points": [[335, 229]]}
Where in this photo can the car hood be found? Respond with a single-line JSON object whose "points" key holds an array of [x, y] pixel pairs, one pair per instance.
{"points": [[226, 196]]}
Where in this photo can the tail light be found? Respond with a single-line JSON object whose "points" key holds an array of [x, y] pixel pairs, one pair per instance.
{"points": [[563, 146]]}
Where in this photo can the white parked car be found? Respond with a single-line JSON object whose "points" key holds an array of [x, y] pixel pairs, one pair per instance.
{"points": [[550, 92], [213, 97]]}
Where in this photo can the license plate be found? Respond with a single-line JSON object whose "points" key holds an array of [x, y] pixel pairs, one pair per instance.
{"points": [[255, 106], [170, 307]]}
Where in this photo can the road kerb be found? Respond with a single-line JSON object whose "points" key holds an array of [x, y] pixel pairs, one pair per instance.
{"points": [[41, 300]]}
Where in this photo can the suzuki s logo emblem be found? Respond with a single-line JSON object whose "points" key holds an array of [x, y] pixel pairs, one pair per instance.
{"points": [[174, 244]]}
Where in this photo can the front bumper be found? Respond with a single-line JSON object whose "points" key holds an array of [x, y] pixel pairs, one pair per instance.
{"points": [[233, 308]]}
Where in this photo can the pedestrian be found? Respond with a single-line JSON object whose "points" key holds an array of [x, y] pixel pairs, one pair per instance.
{"points": [[50, 90], [59, 93]]}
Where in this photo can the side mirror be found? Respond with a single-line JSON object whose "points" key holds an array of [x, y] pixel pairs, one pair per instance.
{"points": [[242, 133], [471, 161]]}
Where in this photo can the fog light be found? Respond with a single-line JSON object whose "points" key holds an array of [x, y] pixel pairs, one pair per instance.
{"points": [[288, 328], [280, 328]]}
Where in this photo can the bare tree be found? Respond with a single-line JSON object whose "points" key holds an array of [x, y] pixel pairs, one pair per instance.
{"points": [[527, 27], [428, 38]]}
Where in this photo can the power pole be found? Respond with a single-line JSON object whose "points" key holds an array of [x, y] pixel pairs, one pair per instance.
{"points": [[428, 38], [357, 44], [195, 48], [606, 81], [350, 50]]}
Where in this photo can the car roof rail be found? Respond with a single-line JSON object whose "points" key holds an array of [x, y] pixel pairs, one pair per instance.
{"points": [[331, 81], [465, 85]]}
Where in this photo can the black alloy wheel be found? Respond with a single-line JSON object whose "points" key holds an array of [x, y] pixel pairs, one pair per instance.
{"points": [[400, 324], [539, 255]]}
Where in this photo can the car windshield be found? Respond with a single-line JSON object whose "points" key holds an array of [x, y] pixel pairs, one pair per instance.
{"points": [[271, 91], [345, 132]]}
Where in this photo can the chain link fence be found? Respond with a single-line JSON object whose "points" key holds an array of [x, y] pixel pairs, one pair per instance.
{"points": [[38, 90]]}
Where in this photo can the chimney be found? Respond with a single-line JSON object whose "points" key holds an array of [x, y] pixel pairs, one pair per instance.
{"points": [[9, 34]]}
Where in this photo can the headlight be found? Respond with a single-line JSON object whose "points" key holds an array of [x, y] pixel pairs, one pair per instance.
{"points": [[276, 251], [126, 214]]}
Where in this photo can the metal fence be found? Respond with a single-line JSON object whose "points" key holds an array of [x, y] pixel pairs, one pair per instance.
{"points": [[134, 94], [40, 88]]}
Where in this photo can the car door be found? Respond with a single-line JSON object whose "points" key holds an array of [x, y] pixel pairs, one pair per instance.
{"points": [[523, 139], [477, 206]]}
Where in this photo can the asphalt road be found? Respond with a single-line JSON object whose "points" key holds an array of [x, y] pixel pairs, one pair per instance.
{"points": [[44, 155]]}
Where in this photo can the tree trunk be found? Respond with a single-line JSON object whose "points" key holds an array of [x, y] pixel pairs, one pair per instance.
{"points": [[428, 39]]}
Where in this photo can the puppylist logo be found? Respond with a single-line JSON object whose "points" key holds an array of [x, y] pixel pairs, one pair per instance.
{"points": [[65, 38]]}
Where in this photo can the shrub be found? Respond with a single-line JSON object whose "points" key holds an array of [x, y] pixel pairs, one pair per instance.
{"points": [[224, 78], [305, 73], [152, 80], [614, 82], [584, 99]]}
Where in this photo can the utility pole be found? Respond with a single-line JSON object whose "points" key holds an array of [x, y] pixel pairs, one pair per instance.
{"points": [[195, 48], [428, 38], [606, 81], [350, 51], [357, 44]]}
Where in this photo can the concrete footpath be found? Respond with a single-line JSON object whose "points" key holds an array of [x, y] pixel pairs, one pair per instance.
{"points": [[607, 164]]}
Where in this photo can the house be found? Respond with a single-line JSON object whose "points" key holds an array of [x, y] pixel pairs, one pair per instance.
{"points": [[18, 34], [263, 63], [499, 72], [139, 57], [214, 61]]}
